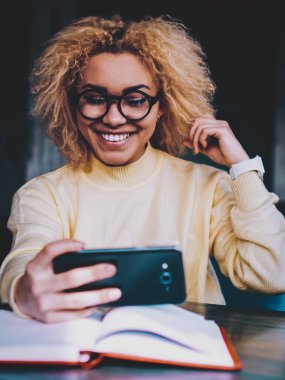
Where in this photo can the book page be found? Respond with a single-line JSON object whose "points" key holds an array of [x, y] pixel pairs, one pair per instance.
{"points": [[169, 321], [149, 347], [163, 332], [27, 339]]}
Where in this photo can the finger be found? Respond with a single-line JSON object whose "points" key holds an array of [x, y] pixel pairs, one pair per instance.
{"points": [[207, 137], [187, 143], [201, 122], [50, 251], [193, 129], [203, 132], [77, 300], [196, 139], [80, 276], [64, 316], [209, 116]]}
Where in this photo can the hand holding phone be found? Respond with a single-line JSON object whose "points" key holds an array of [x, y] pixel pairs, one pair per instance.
{"points": [[40, 293], [146, 275]]}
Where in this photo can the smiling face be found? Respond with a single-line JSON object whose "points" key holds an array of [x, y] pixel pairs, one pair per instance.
{"points": [[114, 139]]}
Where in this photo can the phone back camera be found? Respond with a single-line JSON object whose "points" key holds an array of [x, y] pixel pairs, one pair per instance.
{"points": [[166, 278]]}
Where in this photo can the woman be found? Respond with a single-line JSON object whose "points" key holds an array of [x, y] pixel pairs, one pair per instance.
{"points": [[120, 101]]}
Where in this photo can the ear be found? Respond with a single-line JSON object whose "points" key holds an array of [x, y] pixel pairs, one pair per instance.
{"points": [[160, 110]]}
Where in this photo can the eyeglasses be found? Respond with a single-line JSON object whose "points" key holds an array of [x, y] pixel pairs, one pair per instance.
{"points": [[133, 105]]}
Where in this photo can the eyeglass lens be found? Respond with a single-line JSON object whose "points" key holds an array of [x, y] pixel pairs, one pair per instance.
{"points": [[132, 105]]}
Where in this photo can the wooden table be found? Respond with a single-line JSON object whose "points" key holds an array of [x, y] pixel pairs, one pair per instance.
{"points": [[258, 337]]}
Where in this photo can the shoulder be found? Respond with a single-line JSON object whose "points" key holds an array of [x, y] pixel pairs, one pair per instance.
{"points": [[206, 181], [56, 179], [197, 170]]}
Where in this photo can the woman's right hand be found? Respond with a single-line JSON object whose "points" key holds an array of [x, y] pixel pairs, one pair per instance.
{"points": [[40, 292]]}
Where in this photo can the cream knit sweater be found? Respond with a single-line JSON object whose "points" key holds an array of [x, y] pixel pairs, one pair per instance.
{"points": [[158, 199]]}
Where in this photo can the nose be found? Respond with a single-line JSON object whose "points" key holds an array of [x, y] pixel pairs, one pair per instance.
{"points": [[114, 117]]}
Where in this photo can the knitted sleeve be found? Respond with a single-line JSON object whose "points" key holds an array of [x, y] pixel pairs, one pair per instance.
{"points": [[248, 234], [35, 220]]}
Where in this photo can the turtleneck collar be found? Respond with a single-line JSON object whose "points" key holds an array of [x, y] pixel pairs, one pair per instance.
{"points": [[131, 175]]}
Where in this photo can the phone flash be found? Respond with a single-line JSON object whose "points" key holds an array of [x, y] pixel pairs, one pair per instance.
{"points": [[164, 266]]}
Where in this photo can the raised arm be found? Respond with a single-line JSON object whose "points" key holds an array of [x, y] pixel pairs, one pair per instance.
{"points": [[247, 231]]}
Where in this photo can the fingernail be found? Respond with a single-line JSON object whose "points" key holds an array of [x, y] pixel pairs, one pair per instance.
{"points": [[114, 294], [110, 268]]}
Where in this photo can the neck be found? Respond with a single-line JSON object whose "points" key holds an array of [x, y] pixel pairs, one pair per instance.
{"points": [[125, 176]]}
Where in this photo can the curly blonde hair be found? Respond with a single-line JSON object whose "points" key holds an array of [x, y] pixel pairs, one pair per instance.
{"points": [[174, 58]]}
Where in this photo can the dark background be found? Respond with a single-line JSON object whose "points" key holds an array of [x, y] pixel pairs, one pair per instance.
{"points": [[242, 39]]}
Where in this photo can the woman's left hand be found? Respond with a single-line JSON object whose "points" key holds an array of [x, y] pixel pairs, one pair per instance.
{"points": [[215, 139]]}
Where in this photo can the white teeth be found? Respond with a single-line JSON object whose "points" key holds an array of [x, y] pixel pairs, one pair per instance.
{"points": [[112, 137]]}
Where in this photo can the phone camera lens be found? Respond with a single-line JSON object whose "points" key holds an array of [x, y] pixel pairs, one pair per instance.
{"points": [[166, 278]]}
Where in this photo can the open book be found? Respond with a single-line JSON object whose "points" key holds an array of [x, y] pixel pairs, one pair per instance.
{"points": [[164, 334]]}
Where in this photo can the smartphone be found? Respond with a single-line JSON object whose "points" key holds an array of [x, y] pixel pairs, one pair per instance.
{"points": [[146, 275]]}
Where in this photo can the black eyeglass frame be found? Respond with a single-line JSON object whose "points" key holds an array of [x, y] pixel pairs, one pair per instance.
{"points": [[111, 98]]}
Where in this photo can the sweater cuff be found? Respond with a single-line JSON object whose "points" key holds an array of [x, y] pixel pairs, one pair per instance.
{"points": [[12, 301], [249, 190]]}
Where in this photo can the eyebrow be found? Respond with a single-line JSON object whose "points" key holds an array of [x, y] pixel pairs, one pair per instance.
{"points": [[104, 91]]}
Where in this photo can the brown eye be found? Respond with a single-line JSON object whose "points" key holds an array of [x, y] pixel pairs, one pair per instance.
{"points": [[134, 100], [92, 104]]}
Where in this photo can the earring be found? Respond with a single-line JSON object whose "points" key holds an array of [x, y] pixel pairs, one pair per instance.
{"points": [[157, 118]]}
